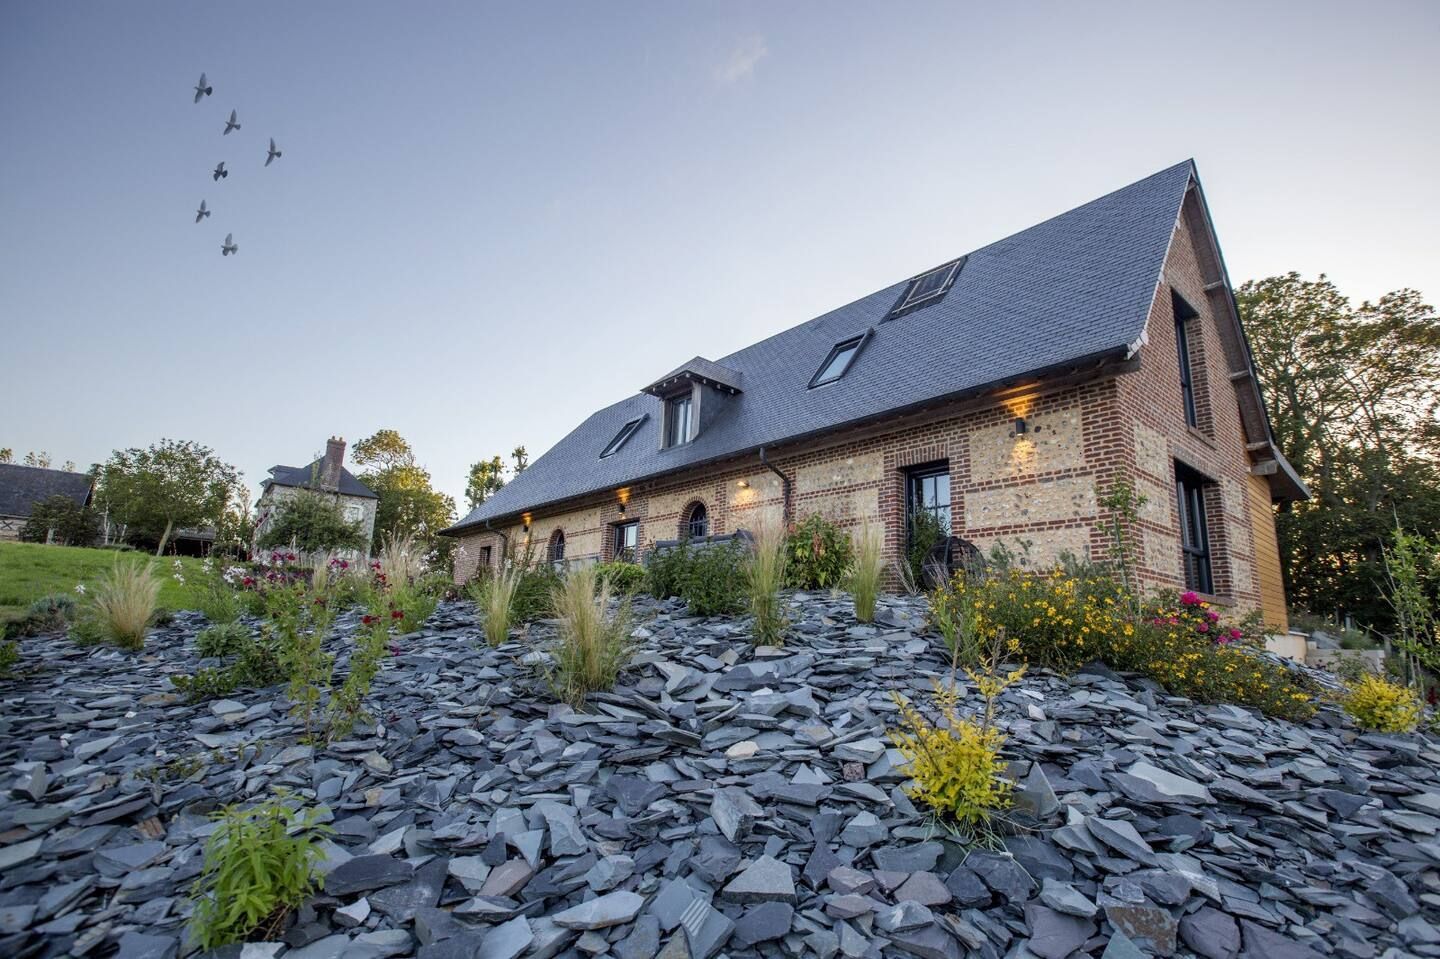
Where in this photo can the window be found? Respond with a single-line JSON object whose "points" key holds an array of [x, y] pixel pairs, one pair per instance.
{"points": [[485, 557], [626, 431], [697, 526], [555, 552], [627, 538], [1184, 313], [677, 421], [1194, 534], [928, 491], [354, 512], [841, 355], [927, 288]]}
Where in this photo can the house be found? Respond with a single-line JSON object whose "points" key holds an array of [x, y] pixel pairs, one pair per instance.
{"points": [[21, 487], [1006, 391], [326, 475]]}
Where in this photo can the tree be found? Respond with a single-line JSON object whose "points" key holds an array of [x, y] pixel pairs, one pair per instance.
{"points": [[312, 522], [59, 519], [521, 458], [168, 485], [409, 505], [40, 459], [1353, 395], [7, 455], [485, 480]]}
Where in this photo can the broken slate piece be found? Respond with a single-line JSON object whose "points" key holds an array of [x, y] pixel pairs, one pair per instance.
{"points": [[608, 910], [767, 879]]}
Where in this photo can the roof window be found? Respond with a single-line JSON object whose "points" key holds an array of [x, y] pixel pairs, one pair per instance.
{"points": [[929, 287], [841, 356], [626, 431]]}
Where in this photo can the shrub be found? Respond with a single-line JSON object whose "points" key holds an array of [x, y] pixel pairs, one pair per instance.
{"points": [[818, 554], [712, 583], [764, 574], [61, 520], [226, 639], [1376, 703], [866, 571], [402, 558], [121, 605], [371, 646], [414, 603], [535, 593], [48, 614], [594, 641], [296, 627], [495, 595], [312, 523], [625, 579], [958, 624], [665, 570], [255, 871], [9, 656], [926, 531]]}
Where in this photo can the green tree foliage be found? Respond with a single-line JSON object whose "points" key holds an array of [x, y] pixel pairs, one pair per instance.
{"points": [[1353, 394], [409, 505], [312, 521], [40, 459], [521, 458], [170, 485], [59, 519], [486, 478], [7, 454]]}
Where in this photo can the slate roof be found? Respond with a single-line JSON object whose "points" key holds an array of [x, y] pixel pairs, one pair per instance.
{"points": [[1074, 287], [21, 487], [701, 369], [299, 476]]}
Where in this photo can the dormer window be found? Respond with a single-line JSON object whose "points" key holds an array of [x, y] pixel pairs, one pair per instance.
{"points": [[929, 287], [622, 437], [678, 420], [838, 361]]}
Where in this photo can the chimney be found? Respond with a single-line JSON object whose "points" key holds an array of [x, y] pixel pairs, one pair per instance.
{"points": [[330, 466]]}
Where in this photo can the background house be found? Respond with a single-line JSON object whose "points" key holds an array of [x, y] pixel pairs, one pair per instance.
{"points": [[21, 487], [326, 475]]}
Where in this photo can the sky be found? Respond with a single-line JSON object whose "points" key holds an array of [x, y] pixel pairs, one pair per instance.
{"points": [[490, 220]]}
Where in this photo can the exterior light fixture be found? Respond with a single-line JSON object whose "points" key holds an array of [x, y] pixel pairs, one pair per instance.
{"points": [[1020, 426], [622, 509], [744, 484]]}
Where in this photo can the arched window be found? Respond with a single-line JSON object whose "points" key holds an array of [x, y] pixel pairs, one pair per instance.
{"points": [[555, 552], [697, 523]]}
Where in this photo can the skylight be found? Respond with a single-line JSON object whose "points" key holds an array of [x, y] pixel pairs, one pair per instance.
{"points": [[838, 361], [928, 287], [626, 431]]}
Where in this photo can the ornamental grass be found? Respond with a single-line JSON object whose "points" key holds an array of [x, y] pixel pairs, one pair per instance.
{"points": [[121, 605], [764, 575], [594, 640], [495, 595], [867, 570]]}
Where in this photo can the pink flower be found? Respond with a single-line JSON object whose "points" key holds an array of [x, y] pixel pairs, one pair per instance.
{"points": [[1190, 599], [1235, 633], [1213, 616], [1203, 628]]}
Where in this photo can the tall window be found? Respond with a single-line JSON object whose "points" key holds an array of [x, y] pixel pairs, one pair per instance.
{"points": [[484, 557], [677, 421], [698, 524], [1184, 313], [928, 493], [556, 550], [627, 539], [1194, 534]]}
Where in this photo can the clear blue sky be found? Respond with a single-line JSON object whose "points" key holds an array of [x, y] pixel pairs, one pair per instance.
{"points": [[492, 219]]}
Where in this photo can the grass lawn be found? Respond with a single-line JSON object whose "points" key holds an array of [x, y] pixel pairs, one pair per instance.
{"points": [[31, 570]]}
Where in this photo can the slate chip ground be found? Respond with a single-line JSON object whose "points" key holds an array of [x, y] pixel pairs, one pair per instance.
{"points": [[474, 816]]}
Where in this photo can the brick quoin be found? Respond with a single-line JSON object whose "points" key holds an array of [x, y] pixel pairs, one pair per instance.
{"points": [[1045, 485]]}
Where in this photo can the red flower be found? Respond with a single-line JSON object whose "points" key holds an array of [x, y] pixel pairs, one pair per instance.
{"points": [[248, 581], [394, 650], [367, 620], [319, 601], [1213, 616], [291, 557], [1190, 599], [397, 614], [1203, 628], [1235, 633]]}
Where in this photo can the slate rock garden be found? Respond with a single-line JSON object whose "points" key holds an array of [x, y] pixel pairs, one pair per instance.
{"points": [[724, 800]]}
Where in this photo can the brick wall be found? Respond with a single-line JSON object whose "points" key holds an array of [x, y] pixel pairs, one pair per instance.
{"points": [[1037, 493]]}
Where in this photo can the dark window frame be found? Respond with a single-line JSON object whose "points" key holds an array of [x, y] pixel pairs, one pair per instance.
{"points": [[555, 549], [854, 344], [910, 302], [697, 522], [625, 553], [1184, 313], [485, 557], [621, 438], [672, 404], [915, 479], [1195, 556]]}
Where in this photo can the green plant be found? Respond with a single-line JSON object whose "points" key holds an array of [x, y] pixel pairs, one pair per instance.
{"points": [[311, 522], [62, 521], [9, 656], [1124, 504], [402, 557], [926, 532], [958, 622], [1376, 703], [712, 583], [535, 593], [48, 614], [495, 595], [226, 639], [1410, 565], [625, 579], [260, 863], [666, 569], [817, 554], [297, 626], [764, 574], [866, 572], [415, 603], [121, 605], [594, 641], [371, 646]]}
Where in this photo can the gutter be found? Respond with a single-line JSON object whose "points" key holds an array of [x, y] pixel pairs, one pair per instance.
{"points": [[504, 538], [785, 483]]}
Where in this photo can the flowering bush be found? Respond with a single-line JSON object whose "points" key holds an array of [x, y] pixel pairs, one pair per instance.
{"points": [[1376, 703], [955, 765], [817, 554]]}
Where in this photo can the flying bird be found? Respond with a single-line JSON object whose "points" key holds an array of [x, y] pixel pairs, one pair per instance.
{"points": [[202, 89], [201, 213], [229, 246], [220, 171], [273, 154], [231, 124]]}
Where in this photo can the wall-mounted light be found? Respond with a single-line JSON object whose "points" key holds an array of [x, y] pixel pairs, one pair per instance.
{"points": [[622, 509], [525, 519], [1020, 426], [744, 484]]}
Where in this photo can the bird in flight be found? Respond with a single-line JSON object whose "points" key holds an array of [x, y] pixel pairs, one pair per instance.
{"points": [[231, 124], [202, 89], [229, 246], [273, 154], [220, 171], [201, 213]]}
